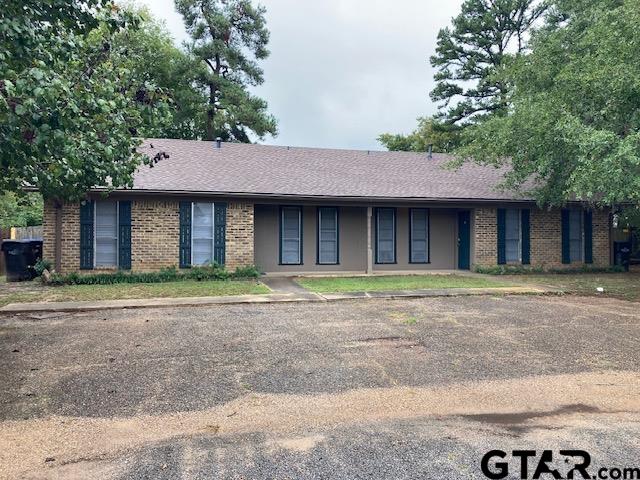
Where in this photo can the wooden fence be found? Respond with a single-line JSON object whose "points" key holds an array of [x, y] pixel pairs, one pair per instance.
{"points": [[27, 233], [5, 233]]}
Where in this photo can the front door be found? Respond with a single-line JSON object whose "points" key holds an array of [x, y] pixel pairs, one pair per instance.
{"points": [[464, 240]]}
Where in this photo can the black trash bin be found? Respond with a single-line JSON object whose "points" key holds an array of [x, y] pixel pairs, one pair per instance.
{"points": [[20, 256], [622, 254]]}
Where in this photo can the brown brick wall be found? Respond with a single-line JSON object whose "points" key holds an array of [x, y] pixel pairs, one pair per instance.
{"points": [[240, 232], [485, 234], [546, 238], [601, 238], [70, 235], [155, 235], [49, 231]]}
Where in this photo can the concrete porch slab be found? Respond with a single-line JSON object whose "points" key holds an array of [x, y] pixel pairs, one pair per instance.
{"points": [[386, 273]]}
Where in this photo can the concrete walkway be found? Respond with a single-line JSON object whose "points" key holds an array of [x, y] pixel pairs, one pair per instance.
{"points": [[303, 296], [284, 285]]}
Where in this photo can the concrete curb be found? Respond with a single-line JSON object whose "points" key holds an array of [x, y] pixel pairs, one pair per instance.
{"points": [[266, 298]]}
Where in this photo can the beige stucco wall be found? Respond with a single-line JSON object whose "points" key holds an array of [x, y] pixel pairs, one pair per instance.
{"points": [[442, 235], [352, 240]]}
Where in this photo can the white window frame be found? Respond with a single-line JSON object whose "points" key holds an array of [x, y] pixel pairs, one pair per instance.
{"points": [[213, 234], [95, 236], [519, 260]]}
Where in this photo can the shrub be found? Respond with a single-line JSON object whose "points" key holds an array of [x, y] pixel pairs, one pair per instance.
{"points": [[247, 272], [524, 270], [42, 265], [209, 272], [170, 274]]}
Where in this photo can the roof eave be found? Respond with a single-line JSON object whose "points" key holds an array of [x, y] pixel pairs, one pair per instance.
{"points": [[299, 197]]}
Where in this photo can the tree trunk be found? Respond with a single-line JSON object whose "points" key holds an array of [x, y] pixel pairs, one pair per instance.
{"points": [[211, 113]]}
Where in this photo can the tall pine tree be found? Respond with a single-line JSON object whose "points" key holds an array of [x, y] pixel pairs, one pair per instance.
{"points": [[471, 52], [230, 36]]}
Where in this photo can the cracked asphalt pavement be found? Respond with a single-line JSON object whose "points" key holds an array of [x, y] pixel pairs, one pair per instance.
{"points": [[410, 389]]}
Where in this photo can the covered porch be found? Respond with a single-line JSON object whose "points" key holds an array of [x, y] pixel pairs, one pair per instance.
{"points": [[316, 238]]}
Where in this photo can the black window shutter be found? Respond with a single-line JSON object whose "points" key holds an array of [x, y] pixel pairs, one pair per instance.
{"points": [[185, 234], [566, 255], [86, 235], [124, 235], [588, 236], [220, 232], [502, 233], [526, 236]]}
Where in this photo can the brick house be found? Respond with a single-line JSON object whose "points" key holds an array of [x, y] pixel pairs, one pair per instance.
{"points": [[291, 210]]}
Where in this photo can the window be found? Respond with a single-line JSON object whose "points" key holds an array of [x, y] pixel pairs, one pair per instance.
{"points": [[106, 234], [419, 235], [385, 235], [512, 237], [202, 233], [575, 235], [327, 235], [291, 235]]}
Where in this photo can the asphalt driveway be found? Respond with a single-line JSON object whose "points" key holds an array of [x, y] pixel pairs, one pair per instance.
{"points": [[355, 389]]}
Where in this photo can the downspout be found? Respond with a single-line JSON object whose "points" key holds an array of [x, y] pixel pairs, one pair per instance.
{"points": [[58, 236]]}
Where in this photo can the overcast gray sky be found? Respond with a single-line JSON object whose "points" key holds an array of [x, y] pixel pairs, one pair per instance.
{"points": [[343, 71]]}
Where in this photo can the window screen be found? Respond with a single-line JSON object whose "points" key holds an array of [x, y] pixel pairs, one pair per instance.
{"points": [[512, 235], [419, 225], [290, 236], [575, 235], [385, 235], [202, 234], [106, 237], [328, 235]]}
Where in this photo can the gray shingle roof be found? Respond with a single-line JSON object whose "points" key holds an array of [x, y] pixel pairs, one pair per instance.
{"points": [[198, 166]]}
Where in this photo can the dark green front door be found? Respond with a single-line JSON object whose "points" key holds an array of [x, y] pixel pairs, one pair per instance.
{"points": [[464, 240]]}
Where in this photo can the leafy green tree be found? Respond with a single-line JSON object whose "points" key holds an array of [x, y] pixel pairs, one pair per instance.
{"points": [[153, 58], [470, 54], [70, 111], [20, 210], [444, 138], [573, 127], [229, 37]]}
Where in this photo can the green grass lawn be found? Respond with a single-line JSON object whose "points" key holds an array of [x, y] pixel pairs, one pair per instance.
{"points": [[399, 282], [618, 285], [33, 292]]}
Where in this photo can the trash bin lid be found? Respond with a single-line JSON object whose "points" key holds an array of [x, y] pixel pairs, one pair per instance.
{"points": [[7, 244]]}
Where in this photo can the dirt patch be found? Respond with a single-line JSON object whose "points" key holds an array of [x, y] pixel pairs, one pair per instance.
{"points": [[25, 445], [299, 444]]}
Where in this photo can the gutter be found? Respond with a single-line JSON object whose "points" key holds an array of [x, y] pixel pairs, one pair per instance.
{"points": [[289, 197]]}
